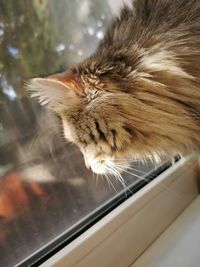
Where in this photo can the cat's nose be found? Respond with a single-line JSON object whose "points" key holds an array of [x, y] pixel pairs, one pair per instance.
{"points": [[89, 168], [87, 165], [100, 163]]}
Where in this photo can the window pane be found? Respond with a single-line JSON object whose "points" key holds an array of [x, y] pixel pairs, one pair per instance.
{"points": [[46, 193]]}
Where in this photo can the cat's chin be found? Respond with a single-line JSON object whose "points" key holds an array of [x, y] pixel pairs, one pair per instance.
{"points": [[107, 167]]}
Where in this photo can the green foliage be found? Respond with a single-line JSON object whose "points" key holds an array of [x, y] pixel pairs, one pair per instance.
{"points": [[31, 31]]}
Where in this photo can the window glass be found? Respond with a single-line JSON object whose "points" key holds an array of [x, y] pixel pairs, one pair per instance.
{"points": [[46, 194]]}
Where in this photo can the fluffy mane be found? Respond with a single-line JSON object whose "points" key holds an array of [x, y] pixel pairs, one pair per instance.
{"points": [[139, 93]]}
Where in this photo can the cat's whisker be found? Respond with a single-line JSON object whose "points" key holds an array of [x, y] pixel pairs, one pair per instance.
{"points": [[110, 182], [113, 172], [105, 176], [137, 170], [148, 180], [117, 175], [51, 150], [120, 179], [39, 134], [130, 168], [93, 177], [127, 160], [36, 137], [97, 179], [133, 174], [145, 160]]}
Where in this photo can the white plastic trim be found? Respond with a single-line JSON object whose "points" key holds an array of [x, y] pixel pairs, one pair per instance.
{"points": [[119, 238]]}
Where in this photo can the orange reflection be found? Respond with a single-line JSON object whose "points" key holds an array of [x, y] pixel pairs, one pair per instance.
{"points": [[14, 197]]}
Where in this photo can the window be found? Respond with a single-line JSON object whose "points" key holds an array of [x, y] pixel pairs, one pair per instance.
{"points": [[47, 197]]}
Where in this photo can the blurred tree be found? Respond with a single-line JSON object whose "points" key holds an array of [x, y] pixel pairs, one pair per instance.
{"points": [[26, 42], [39, 37]]}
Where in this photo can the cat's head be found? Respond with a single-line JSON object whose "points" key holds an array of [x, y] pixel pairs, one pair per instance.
{"points": [[114, 117], [94, 117]]}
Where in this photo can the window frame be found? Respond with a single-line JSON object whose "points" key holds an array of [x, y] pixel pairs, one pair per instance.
{"points": [[120, 237], [71, 233]]}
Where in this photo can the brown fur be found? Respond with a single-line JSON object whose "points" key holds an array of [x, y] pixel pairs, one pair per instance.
{"points": [[139, 93]]}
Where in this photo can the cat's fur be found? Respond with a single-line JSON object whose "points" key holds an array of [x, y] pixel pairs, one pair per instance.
{"points": [[139, 93]]}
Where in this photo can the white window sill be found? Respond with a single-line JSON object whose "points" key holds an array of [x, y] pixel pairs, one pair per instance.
{"points": [[124, 234], [178, 246]]}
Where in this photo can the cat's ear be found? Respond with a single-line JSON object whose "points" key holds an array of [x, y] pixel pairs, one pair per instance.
{"points": [[56, 91]]}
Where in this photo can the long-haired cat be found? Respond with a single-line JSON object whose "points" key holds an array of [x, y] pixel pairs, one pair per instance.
{"points": [[138, 95]]}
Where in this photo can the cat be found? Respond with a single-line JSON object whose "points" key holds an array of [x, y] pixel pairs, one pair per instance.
{"points": [[138, 94]]}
